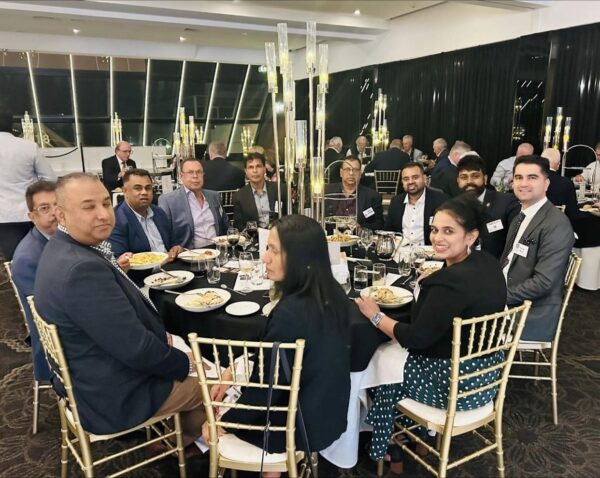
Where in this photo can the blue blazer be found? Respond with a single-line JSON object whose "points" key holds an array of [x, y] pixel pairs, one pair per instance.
{"points": [[116, 345], [176, 206], [128, 235], [24, 266]]}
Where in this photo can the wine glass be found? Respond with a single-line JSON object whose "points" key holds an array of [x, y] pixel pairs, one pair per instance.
{"points": [[343, 278], [252, 231], [233, 238], [246, 266], [366, 238], [385, 247]]}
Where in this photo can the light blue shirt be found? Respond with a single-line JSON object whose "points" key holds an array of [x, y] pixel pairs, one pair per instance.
{"points": [[150, 229], [204, 221], [262, 205]]}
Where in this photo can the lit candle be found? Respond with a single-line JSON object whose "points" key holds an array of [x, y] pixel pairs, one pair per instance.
{"points": [[323, 66], [311, 46], [282, 38], [567, 134], [271, 66]]}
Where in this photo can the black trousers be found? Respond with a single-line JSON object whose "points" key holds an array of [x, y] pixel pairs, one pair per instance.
{"points": [[11, 234]]}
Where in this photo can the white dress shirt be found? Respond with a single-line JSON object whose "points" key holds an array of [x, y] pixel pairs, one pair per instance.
{"points": [[150, 229], [412, 220], [204, 221], [21, 165], [592, 170], [503, 171], [530, 212]]}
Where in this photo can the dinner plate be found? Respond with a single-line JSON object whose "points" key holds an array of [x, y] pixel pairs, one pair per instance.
{"points": [[351, 240], [404, 296], [436, 265], [223, 240], [242, 308], [162, 281], [186, 300], [196, 254], [157, 257], [268, 308], [591, 210], [428, 250]]}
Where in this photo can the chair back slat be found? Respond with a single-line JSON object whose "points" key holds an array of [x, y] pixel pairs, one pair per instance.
{"points": [[387, 181], [8, 267], [226, 197], [570, 276]]}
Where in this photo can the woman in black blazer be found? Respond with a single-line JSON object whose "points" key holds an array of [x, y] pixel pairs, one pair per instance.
{"points": [[314, 307], [471, 285]]}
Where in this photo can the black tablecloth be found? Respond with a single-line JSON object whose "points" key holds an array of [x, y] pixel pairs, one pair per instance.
{"points": [[587, 227], [219, 324]]}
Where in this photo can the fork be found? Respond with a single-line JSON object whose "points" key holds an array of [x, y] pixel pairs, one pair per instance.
{"points": [[179, 279]]}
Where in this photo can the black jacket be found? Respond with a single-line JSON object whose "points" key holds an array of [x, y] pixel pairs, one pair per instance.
{"points": [[220, 175], [501, 207], [390, 159], [561, 192], [111, 167], [446, 180], [367, 198], [244, 207]]}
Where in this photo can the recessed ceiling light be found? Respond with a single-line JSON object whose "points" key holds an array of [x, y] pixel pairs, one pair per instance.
{"points": [[76, 30], [182, 39], [244, 34], [357, 12]]}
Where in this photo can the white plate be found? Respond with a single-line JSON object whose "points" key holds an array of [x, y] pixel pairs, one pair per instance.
{"points": [[242, 308], [223, 240], [427, 250], [435, 265], [350, 242], [591, 210], [184, 299], [404, 295], [268, 308], [188, 256], [160, 256], [162, 281]]}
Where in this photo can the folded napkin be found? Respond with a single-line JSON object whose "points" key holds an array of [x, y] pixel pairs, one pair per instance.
{"points": [[266, 284], [391, 278]]}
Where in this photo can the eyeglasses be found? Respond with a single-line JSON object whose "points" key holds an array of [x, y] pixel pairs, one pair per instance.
{"points": [[194, 173], [44, 209], [351, 170]]}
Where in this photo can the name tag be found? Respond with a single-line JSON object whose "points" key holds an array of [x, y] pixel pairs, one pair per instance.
{"points": [[430, 220], [521, 250], [368, 212], [494, 226], [276, 207]]}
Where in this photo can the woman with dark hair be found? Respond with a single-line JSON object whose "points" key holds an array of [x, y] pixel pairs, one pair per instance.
{"points": [[314, 307], [471, 284]]}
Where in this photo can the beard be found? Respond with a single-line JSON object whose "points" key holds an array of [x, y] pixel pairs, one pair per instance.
{"points": [[474, 189]]}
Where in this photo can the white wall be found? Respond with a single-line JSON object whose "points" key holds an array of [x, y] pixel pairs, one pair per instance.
{"points": [[453, 26]]}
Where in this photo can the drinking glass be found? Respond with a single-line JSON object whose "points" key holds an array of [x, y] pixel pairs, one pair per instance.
{"points": [[198, 266], [252, 231], [365, 238], [233, 238], [246, 266], [360, 278], [385, 247], [343, 279], [213, 272], [223, 253], [379, 274], [404, 262], [258, 273]]}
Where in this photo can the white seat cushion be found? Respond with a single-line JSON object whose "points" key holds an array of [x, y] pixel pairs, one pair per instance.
{"points": [[438, 416], [233, 448], [530, 345]]}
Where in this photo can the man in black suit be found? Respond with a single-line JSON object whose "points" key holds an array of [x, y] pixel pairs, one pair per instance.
{"points": [[114, 168], [446, 179], [561, 191], [391, 159], [333, 153], [366, 206], [123, 366], [411, 213], [257, 200], [219, 175], [501, 208], [440, 149]]}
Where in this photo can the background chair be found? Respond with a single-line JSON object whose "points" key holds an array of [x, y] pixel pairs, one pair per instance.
{"points": [[76, 439], [489, 334], [227, 202], [538, 348], [37, 385], [387, 181], [228, 451]]}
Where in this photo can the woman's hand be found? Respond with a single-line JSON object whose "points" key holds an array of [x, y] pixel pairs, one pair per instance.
{"points": [[367, 306]]}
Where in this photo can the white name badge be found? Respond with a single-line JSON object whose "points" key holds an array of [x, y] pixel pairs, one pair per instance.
{"points": [[494, 226], [368, 212], [430, 220], [276, 207], [521, 250]]}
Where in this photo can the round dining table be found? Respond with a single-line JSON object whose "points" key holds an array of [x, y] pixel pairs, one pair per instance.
{"points": [[219, 324]]}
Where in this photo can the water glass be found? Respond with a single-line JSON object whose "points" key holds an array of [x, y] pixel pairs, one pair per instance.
{"points": [[258, 273], [404, 263], [379, 274], [246, 266], [223, 253], [360, 278], [213, 271]]}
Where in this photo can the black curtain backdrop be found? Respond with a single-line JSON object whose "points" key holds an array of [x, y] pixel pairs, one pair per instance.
{"points": [[463, 95], [577, 87]]}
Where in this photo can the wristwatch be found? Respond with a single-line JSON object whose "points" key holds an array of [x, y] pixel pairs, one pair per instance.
{"points": [[376, 319]]}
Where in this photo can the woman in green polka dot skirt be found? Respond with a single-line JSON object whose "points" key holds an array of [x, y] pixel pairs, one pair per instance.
{"points": [[471, 284]]}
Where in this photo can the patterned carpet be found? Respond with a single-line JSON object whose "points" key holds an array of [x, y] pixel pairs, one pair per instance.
{"points": [[534, 446]]}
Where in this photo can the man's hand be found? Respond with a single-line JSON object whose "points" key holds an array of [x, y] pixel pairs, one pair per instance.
{"points": [[123, 260], [579, 178], [173, 253]]}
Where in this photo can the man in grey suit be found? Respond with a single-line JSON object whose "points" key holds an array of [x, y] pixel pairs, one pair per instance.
{"points": [[537, 250], [196, 214]]}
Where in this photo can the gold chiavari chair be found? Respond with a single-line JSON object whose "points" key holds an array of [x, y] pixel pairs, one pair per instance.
{"points": [[538, 348], [37, 385], [387, 181], [228, 451], [488, 334], [75, 439], [227, 202], [561, 207]]}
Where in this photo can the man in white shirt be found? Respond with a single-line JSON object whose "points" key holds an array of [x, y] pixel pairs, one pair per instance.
{"points": [[538, 245], [502, 177], [21, 165], [591, 173], [411, 213]]}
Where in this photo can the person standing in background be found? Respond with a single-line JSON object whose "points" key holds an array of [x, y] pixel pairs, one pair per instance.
{"points": [[114, 168]]}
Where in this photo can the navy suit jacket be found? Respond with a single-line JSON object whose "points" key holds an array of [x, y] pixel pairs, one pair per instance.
{"points": [[498, 206], [115, 343], [221, 175], [176, 206], [561, 192], [24, 266], [446, 180], [128, 235], [433, 200], [388, 160], [111, 168]]}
